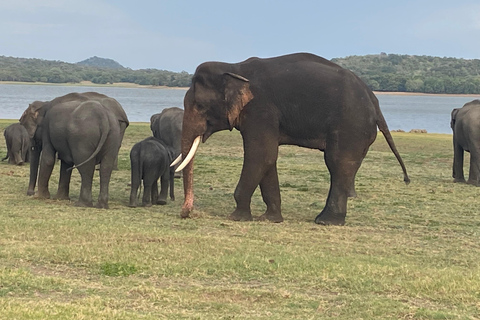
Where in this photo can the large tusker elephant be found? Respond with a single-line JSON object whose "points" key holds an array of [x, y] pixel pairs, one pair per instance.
{"points": [[297, 99], [465, 124], [150, 160], [35, 119], [167, 127], [18, 144]]}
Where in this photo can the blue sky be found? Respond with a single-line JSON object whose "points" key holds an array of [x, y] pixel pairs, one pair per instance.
{"points": [[178, 35]]}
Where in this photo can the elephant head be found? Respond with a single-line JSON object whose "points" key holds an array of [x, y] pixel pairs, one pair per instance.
{"points": [[32, 117], [454, 116], [213, 103]]}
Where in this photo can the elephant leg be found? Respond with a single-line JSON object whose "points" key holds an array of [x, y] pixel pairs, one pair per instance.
{"points": [[164, 181], [147, 192], [260, 156], [133, 194], [34, 155], [343, 159], [271, 195], [474, 172], [18, 160], [47, 162], [134, 185], [86, 172], [64, 182], [172, 184], [458, 154], [154, 194], [106, 168]]}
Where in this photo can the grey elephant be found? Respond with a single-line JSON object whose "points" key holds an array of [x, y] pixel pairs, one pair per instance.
{"points": [[167, 126], [465, 123], [298, 99], [18, 144], [150, 160], [83, 129]]}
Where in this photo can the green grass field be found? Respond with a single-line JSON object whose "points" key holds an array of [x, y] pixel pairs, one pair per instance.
{"points": [[406, 252]]}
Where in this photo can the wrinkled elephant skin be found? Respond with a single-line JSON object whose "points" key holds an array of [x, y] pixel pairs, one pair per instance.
{"points": [[167, 127], [18, 144], [298, 99], [149, 161], [465, 123], [83, 129]]}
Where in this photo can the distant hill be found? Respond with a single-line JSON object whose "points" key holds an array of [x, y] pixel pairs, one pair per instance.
{"points": [[97, 70], [101, 63], [406, 73], [381, 72]]}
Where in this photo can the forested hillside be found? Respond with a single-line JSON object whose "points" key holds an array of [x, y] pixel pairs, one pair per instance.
{"points": [[383, 72], [405, 73], [37, 70]]}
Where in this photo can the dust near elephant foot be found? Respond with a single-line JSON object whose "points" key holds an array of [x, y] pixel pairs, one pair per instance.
{"points": [[276, 218], [239, 215], [61, 197], [330, 220], [101, 205], [83, 204]]}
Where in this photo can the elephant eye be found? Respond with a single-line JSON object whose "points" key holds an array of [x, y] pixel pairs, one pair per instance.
{"points": [[201, 107]]}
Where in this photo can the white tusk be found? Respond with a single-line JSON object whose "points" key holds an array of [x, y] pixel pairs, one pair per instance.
{"points": [[190, 154], [179, 158]]}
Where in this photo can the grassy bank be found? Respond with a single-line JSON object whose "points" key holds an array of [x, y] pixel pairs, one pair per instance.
{"points": [[407, 252]]}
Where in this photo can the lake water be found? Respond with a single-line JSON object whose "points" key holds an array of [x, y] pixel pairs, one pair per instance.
{"points": [[405, 112]]}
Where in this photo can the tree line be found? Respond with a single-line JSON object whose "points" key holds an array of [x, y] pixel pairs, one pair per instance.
{"points": [[38, 70], [406, 73], [382, 72]]}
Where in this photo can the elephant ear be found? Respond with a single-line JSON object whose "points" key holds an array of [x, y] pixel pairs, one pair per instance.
{"points": [[454, 117], [31, 118], [237, 95]]}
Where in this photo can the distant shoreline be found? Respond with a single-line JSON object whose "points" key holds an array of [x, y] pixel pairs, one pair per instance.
{"points": [[134, 85], [91, 84], [379, 93]]}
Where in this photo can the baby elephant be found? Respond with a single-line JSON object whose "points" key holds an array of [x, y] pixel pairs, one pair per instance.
{"points": [[18, 143], [150, 160]]}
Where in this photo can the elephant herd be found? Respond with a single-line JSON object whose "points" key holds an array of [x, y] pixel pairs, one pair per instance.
{"points": [[83, 130], [298, 99]]}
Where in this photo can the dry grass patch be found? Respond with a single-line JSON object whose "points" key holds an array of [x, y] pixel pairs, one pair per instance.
{"points": [[407, 252]]}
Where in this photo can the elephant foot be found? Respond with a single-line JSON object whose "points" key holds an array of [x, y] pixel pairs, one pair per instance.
{"points": [[186, 209], [272, 217], [43, 195], [459, 180], [330, 219], [101, 205], [162, 202], [61, 197], [473, 182], [83, 204], [147, 204], [241, 215], [30, 192], [132, 205]]}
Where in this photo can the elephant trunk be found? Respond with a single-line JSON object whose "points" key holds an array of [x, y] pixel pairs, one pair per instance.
{"points": [[34, 156]]}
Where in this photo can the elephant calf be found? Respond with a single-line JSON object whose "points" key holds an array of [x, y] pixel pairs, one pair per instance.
{"points": [[150, 160], [18, 143]]}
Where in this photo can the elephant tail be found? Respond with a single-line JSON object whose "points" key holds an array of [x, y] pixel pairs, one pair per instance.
{"points": [[382, 125], [136, 169], [104, 129]]}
